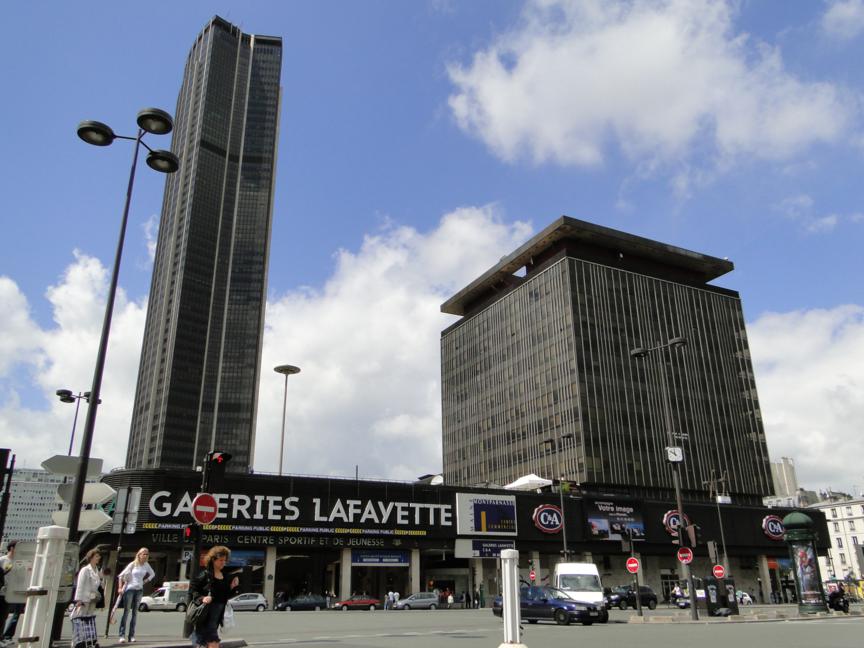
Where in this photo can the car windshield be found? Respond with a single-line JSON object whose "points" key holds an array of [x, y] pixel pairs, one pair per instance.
{"points": [[580, 583], [554, 592]]}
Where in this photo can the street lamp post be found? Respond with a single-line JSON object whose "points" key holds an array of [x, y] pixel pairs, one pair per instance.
{"points": [[157, 122], [550, 443], [66, 396], [714, 492], [285, 370], [675, 454]]}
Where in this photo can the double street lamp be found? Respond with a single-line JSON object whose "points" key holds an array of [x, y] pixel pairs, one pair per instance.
{"points": [[156, 122], [674, 453], [68, 396]]}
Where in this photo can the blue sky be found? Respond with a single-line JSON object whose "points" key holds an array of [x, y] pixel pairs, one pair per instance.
{"points": [[420, 141]]}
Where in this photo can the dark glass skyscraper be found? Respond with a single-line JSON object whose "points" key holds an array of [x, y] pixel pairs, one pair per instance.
{"points": [[537, 376], [200, 361]]}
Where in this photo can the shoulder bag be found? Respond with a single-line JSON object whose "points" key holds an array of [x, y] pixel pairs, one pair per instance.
{"points": [[196, 611]]}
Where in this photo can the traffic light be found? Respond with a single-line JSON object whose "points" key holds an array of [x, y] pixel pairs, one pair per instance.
{"points": [[4, 463], [214, 471], [190, 533], [694, 535], [676, 536]]}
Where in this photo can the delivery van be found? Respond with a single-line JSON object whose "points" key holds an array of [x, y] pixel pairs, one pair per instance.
{"points": [[581, 582], [171, 596]]}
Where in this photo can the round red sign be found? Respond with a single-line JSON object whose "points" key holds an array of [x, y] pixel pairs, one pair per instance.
{"points": [[204, 508], [719, 571], [532, 575], [632, 565], [685, 555]]}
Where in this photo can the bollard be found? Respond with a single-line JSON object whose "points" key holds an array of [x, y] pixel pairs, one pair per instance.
{"points": [[510, 604], [35, 625]]}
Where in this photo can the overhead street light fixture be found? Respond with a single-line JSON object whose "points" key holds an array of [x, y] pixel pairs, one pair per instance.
{"points": [[285, 370]]}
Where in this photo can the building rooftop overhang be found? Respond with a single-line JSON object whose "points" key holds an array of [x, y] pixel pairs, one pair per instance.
{"points": [[700, 266]]}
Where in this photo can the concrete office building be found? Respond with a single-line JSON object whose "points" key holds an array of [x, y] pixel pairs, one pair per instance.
{"points": [[537, 375], [200, 360]]}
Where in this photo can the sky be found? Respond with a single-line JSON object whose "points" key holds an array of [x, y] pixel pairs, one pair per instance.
{"points": [[420, 142]]}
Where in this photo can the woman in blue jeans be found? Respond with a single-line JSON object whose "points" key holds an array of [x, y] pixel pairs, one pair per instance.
{"points": [[132, 581]]}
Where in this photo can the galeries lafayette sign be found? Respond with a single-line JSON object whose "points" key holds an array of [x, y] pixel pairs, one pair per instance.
{"points": [[240, 508]]}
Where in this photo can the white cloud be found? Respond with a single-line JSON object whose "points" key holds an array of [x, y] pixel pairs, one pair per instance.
{"points": [[661, 79], [810, 377], [844, 19], [800, 208]]}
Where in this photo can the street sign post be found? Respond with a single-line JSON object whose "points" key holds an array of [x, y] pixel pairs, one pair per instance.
{"points": [[95, 494], [91, 519], [204, 508], [719, 571], [66, 465], [633, 565], [685, 555]]}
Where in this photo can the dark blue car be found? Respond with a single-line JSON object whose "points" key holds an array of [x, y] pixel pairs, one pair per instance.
{"points": [[551, 604]]}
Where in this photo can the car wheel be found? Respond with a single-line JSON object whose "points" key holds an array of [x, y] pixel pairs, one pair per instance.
{"points": [[143, 608], [287, 608], [344, 608], [372, 607], [181, 607], [652, 604], [260, 607], [317, 607], [406, 607], [622, 605], [587, 622], [604, 616], [433, 607], [561, 617], [532, 620]]}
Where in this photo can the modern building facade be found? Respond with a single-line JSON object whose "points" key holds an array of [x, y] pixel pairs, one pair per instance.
{"points": [[200, 360], [538, 376]]}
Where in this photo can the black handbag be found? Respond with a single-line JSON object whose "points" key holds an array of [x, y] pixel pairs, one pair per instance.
{"points": [[100, 599], [195, 612]]}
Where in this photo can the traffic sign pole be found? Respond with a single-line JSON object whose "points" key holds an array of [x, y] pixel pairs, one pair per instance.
{"points": [[633, 560]]}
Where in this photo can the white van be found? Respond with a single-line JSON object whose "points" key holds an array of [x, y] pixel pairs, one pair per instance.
{"points": [[171, 596], [581, 582]]}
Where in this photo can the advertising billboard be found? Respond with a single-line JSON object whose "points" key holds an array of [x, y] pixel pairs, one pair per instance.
{"points": [[614, 519], [484, 514]]}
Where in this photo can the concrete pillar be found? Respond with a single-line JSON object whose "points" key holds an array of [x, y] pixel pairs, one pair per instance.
{"points": [[345, 574], [270, 576], [535, 559], [477, 564], [765, 577], [414, 583]]}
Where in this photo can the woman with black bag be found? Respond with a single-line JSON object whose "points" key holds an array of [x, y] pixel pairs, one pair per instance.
{"points": [[83, 615], [212, 589]]}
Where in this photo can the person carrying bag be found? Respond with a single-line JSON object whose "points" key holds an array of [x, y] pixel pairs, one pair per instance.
{"points": [[211, 590], [83, 615]]}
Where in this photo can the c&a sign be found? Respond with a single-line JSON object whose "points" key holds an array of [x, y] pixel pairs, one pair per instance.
{"points": [[548, 518]]}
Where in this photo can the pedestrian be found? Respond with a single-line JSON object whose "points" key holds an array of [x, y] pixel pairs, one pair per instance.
{"points": [[449, 600], [83, 615], [476, 599], [6, 567], [388, 601], [131, 582], [468, 602], [212, 588]]}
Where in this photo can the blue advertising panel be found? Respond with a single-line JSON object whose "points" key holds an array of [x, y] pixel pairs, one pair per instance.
{"points": [[485, 514]]}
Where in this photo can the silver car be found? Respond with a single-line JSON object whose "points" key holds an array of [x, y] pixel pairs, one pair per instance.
{"points": [[418, 601], [248, 602]]}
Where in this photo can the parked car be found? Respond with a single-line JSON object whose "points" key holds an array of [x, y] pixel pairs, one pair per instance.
{"points": [[248, 602], [625, 596], [418, 601], [171, 596], [551, 604], [357, 602], [303, 602]]}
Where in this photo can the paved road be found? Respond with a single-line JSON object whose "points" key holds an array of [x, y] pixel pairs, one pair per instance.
{"points": [[479, 629]]}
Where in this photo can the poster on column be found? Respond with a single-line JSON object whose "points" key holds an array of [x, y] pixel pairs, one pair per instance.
{"points": [[484, 514], [614, 519]]}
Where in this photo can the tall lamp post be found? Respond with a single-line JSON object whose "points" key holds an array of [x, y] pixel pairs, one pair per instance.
{"points": [[67, 396], [157, 122], [285, 370], [674, 453], [551, 443], [714, 492]]}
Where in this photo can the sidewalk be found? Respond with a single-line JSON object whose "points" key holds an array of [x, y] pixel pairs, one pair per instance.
{"points": [[748, 614]]}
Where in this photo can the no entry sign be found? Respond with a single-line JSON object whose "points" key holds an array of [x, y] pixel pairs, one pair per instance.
{"points": [[532, 575], [204, 508], [632, 565], [719, 571], [685, 555]]}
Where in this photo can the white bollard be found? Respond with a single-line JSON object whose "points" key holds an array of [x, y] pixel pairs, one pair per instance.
{"points": [[35, 626], [510, 605]]}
